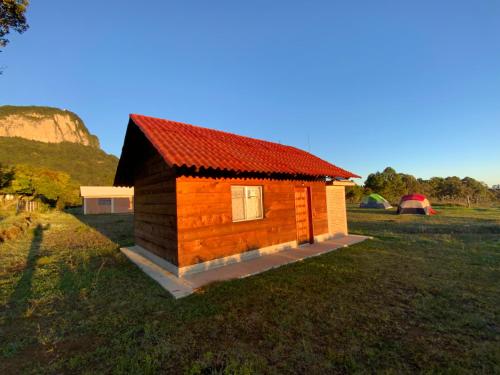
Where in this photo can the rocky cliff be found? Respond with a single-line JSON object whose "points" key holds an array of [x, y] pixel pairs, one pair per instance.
{"points": [[45, 124]]}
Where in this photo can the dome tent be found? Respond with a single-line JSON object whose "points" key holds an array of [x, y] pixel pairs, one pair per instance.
{"points": [[374, 201], [415, 204]]}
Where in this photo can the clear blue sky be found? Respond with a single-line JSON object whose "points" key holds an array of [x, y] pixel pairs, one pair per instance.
{"points": [[367, 84]]}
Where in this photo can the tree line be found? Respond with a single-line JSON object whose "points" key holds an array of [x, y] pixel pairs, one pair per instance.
{"points": [[53, 188], [393, 185], [58, 189]]}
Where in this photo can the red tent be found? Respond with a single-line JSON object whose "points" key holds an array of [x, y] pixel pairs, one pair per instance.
{"points": [[415, 204]]}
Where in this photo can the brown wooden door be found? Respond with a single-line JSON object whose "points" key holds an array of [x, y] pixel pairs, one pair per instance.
{"points": [[303, 215]]}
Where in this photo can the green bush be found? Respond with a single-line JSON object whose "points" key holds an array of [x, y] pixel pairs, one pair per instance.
{"points": [[54, 188]]}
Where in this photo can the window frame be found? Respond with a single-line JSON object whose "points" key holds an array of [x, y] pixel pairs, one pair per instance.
{"points": [[100, 200], [261, 202]]}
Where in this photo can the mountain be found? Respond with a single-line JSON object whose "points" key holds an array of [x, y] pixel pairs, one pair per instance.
{"points": [[55, 139], [44, 124]]}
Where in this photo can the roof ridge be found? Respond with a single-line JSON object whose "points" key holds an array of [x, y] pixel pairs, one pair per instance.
{"points": [[216, 130]]}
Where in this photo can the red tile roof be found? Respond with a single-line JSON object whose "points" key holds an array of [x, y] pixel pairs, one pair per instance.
{"points": [[182, 144]]}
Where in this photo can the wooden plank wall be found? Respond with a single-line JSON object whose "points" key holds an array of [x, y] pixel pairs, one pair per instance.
{"points": [[205, 227], [155, 222]]}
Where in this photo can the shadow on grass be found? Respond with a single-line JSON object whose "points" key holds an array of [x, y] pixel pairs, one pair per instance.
{"points": [[118, 228], [23, 289]]}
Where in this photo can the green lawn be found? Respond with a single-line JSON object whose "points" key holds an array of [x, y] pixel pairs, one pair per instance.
{"points": [[423, 296]]}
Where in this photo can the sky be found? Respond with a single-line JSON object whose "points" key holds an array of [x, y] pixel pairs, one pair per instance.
{"points": [[363, 84]]}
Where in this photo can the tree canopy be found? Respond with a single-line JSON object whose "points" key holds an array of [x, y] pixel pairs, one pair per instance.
{"points": [[388, 183], [86, 165], [12, 17], [52, 187], [393, 185], [5, 176]]}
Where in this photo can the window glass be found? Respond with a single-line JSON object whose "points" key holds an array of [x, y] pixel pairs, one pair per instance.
{"points": [[246, 202], [238, 202], [253, 203], [104, 201]]}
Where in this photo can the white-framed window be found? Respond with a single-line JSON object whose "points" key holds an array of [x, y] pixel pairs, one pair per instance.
{"points": [[246, 203]]}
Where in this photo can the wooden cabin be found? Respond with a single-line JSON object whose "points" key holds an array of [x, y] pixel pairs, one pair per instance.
{"points": [[204, 197], [107, 200]]}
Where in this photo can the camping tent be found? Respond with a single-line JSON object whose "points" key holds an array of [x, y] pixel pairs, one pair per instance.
{"points": [[374, 201], [415, 204]]}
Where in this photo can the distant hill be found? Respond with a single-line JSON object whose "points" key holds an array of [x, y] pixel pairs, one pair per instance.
{"points": [[86, 165], [44, 124], [55, 139]]}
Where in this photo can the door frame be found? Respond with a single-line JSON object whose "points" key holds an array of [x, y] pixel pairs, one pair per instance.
{"points": [[310, 228]]}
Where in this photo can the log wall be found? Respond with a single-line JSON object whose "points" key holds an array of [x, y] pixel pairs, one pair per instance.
{"points": [[155, 223], [204, 217]]}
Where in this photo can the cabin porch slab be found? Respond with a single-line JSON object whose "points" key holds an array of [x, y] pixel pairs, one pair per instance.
{"points": [[182, 286]]}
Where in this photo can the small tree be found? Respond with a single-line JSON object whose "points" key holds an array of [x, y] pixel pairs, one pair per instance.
{"points": [[475, 191], [21, 182], [6, 176], [52, 187], [354, 194]]}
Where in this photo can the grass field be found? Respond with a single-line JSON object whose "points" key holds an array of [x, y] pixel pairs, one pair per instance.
{"points": [[423, 296]]}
